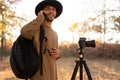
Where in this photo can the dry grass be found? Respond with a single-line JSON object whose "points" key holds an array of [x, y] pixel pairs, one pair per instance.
{"points": [[101, 69]]}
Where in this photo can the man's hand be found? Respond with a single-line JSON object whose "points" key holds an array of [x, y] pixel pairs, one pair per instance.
{"points": [[55, 53], [41, 15]]}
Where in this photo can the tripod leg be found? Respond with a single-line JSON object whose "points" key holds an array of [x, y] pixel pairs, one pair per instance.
{"points": [[75, 70], [81, 69], [87, 70]]}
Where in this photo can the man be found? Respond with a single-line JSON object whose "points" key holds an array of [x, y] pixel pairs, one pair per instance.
{"points": [[46, 12]]}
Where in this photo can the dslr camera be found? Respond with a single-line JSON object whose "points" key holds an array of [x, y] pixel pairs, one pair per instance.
{"points": [[83, 43]]}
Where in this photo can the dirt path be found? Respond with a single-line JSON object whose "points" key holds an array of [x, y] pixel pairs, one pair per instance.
{"points": [[100, 69]]}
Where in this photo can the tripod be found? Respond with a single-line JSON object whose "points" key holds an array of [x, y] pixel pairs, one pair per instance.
{"points": [[80, 63]]}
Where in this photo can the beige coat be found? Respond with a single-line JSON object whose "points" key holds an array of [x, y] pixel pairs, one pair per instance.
{"points": [[32, 31]]}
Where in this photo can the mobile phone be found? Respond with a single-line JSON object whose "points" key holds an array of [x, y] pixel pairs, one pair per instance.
{"points": [[44, 15]]}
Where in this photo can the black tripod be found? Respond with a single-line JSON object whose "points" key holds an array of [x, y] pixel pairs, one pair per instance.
{"points": [[80, 63]]}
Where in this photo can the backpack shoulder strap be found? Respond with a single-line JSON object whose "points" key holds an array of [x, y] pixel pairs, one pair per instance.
{"points": [[42, 37]]}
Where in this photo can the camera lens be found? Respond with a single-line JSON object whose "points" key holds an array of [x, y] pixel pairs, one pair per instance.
{"points": [[90, 43]]}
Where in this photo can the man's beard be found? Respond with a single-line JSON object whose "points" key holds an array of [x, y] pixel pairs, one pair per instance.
{"points": [[47, 19]]}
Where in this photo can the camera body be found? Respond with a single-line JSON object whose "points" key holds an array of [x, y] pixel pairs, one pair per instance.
{"points": [[83, 43]]}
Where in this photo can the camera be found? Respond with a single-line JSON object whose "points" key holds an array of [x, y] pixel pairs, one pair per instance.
{"points": [[83, 43]]}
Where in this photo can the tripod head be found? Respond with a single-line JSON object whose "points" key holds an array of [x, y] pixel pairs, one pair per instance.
{"points": [[81, 55]]}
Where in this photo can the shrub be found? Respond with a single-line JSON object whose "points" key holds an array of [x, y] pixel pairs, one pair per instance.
{"points": [[111, 51]]}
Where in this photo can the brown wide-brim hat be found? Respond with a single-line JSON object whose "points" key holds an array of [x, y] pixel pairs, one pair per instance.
{"points": [[54, 3]]}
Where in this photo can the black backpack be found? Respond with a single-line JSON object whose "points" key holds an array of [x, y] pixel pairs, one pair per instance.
{"points": [[24, 59]]}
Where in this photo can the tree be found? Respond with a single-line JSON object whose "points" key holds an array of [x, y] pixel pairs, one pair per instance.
{"points": [[73, 28], [7, 20], [117, 23], [97, 28], [3, 23]]}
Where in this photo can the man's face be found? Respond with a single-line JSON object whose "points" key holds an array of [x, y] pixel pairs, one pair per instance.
{"points": [[50, 12]]}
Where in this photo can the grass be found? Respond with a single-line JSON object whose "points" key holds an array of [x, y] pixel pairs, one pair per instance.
{"points": [[101, 69]]}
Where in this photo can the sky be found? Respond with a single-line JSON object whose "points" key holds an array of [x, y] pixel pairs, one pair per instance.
{"points": [[73, 11]]}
